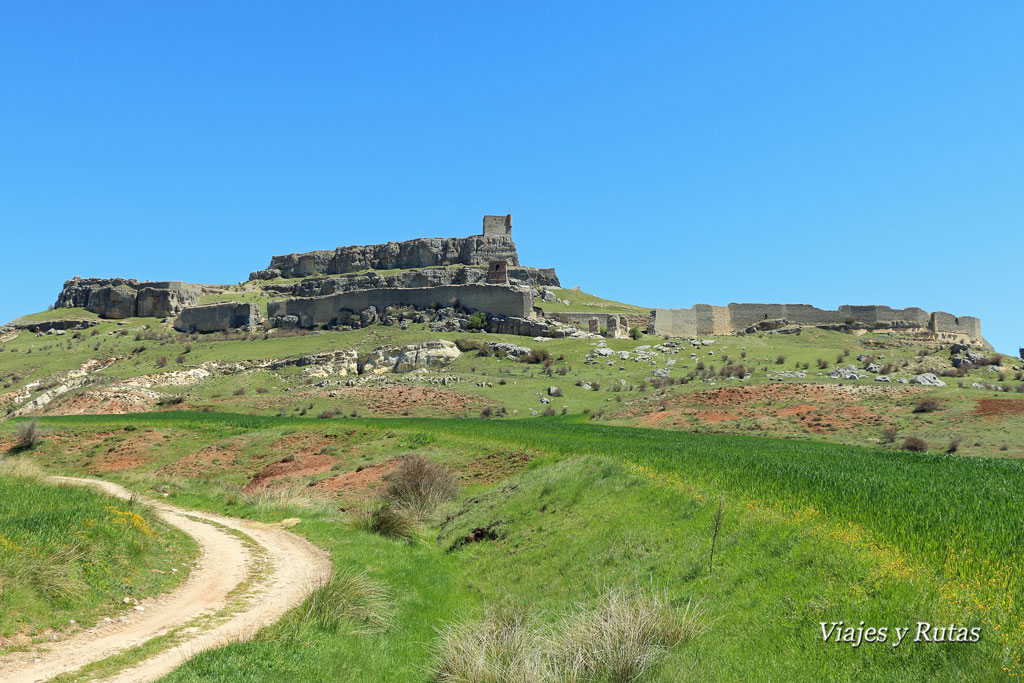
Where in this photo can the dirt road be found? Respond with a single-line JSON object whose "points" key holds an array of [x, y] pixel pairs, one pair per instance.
{"points": [[294, 568]]}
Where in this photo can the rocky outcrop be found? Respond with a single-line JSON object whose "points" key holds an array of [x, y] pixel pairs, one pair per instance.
{"points": [[425, 277], [220, 317], [45, 326], [122, 298], [477, 250], [426, 356]]}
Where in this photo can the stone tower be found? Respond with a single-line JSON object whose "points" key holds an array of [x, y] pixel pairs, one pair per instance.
{"points": [[498, 226], [497, 273]]}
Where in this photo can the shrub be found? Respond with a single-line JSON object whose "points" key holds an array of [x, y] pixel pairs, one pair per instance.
{"points": [[421, 484], [180, 359], [464, 344], [954, 444], [477, 321], [548, 412], [889, 434], [536, 356], [27, 436], [161, 362], [927, 405], [556, 391], [915, 444], [240, 391], [780, 360]]}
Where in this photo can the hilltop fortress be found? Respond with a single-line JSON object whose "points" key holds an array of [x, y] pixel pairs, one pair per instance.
{"points": [[447, 279]]}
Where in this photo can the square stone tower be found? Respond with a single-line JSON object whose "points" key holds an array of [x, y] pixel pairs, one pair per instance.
{"points": [[498, 226]]}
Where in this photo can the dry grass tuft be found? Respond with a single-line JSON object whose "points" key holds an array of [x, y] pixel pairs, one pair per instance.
{"points": [[353, 598], [622, 637]]}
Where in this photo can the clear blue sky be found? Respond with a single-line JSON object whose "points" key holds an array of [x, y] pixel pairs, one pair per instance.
{"points": [[661, 154]]}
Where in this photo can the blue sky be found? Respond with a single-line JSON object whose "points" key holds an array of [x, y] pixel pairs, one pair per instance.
{"points": [[663, 154]]}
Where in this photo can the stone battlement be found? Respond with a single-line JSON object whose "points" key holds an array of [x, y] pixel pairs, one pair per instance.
{"points": [[703, 320]]}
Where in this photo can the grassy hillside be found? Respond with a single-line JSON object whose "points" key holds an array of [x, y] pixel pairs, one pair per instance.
{"points": [[70, 553], [788, 391], [556, 513]]}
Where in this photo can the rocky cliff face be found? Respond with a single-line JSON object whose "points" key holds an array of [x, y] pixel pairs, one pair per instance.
{"points": [[476, 250], [426, 277], [124, 298]]}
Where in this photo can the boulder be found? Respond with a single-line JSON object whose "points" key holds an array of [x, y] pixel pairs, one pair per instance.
{"points": [[928, 379]]}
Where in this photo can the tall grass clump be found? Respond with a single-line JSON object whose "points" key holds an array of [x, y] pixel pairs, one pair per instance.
{"points": [[353, 599], [284, 497], [622, 636], [503, 646]]}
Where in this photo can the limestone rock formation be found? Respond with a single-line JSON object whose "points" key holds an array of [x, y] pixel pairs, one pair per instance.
{"points": [[425, 277], [428, 355], [123, 298], [476, 250]]}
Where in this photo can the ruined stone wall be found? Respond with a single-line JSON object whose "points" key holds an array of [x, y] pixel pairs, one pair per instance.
{"points": [[324, 310], [702, 319], [127, 298], [477, 250], [218, 317], [945, 323]]}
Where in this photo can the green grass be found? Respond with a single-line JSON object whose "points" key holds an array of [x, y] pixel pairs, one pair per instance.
{"points": [[582, 302], [68, 552], [813, 532], [57, 314]]}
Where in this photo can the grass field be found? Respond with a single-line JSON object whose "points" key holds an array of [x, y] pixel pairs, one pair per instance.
{"points": [[70, 553], [811, 532]]}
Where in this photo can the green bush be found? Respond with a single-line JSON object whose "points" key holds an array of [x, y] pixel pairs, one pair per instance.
{"points": [[477, 321]]}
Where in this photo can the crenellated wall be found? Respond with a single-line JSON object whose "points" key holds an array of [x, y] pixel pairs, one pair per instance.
{"points": [[704, 320]]}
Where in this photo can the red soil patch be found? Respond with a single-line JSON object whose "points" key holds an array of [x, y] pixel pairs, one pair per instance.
{"points": [[496, 466], [995, 407], [291, 467], [357, 482], [398, 400], [715, 416]]}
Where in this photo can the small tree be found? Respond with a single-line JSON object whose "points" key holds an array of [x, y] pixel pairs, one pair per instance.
{"points": [[28, 436], [477, 321], [635, 333]]}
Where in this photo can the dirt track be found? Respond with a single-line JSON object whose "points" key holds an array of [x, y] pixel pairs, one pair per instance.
{"points": [[294, 568]]}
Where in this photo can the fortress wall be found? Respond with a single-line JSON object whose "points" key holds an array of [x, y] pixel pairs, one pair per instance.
{"points": [[877, 314], [218, 317], [705, 320], [494, 299], [673, 322], [945, 323]]}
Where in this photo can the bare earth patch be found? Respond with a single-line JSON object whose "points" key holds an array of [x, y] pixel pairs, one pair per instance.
{"points": [[291, 466], [997, 407], [358, 483]]}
